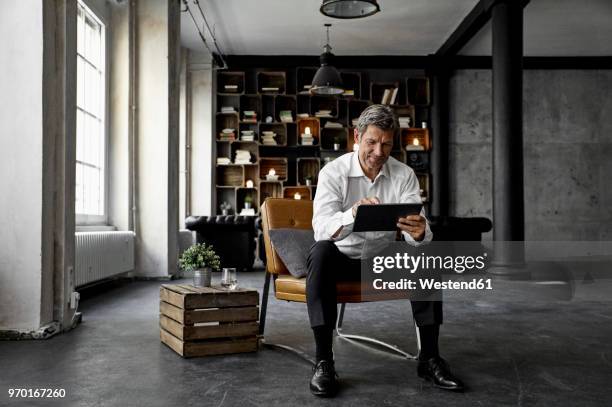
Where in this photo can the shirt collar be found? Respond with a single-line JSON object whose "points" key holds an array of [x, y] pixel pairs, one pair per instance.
{"points": [[357, 171]]}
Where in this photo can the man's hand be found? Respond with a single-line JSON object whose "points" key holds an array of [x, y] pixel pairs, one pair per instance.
{"points": [[365, 201], [413, 225]]}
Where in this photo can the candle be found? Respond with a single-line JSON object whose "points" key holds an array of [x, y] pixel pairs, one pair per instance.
{"points": [[249, 184], [297, 196], [307, 130], [272, 172], [415, 146]]}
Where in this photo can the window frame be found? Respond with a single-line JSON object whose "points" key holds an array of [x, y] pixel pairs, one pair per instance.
{"points": [[101, 16]]}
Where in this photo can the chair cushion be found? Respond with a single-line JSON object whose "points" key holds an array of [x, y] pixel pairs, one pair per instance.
{"points": [[294, 289], [293, 246]]}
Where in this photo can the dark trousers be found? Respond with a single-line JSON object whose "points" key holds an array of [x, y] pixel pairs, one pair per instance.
{"points": [[326, 266]]}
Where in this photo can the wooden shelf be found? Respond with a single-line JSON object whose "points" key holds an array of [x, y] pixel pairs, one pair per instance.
{"points": [[276, 80], [289, 192], [307, 167], [279, 164], [230, 175], [242, 193], [417, 90], [314, 125], [285, 102], [377, 90], [231, 79], [331, 134], [270, 189], [407, 137], [351, 81], [279, 128], [304, 77]]}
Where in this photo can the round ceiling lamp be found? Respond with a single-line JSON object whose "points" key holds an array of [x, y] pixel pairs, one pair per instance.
{"points": [[327, 80], [349, 8]]}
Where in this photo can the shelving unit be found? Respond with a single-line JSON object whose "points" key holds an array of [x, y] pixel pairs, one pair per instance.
{"points": [[267, 92]]}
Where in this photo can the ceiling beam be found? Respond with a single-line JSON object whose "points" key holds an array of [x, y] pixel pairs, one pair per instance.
{"points": [[471, 24]]}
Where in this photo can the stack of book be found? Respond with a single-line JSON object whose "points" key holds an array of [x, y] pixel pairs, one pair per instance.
{"points": [[303, 115], [228, 109], [250, 116], [223, 161], [247, 135], [323, 113], [349, 92], [333, 125], [267, 138], [404, 121], [306, 140], [242, 157], [270, 89], [389, 96], [286, 116], [231, 88], [227, 135]]}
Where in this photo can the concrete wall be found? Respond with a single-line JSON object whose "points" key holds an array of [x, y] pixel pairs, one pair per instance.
{"points": [[157, 139], [21, 132], [201, 82], [568, 145]]}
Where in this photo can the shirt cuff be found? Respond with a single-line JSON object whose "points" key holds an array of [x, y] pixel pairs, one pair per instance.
{"points": [[426, 239], [347, 217]]}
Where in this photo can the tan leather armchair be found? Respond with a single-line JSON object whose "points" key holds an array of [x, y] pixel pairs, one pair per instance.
{"points": [[297, 214]]}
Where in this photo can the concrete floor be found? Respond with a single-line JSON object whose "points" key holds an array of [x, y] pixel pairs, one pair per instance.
{"points": [[544, 354]]}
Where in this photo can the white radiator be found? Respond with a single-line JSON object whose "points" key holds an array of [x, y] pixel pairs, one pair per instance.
{"points": [[100, 255]]}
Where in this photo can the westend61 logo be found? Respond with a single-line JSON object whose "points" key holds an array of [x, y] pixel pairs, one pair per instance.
{"points": [[404, 261]]}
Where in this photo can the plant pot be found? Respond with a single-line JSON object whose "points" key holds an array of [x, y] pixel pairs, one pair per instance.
{"points": [[336, 147], [247, 205], [308, 182], [224, 212], [202, 277]]}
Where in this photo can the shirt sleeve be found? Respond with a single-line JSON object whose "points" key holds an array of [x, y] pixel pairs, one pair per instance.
{"points": [[410, 192], [330, 221]]}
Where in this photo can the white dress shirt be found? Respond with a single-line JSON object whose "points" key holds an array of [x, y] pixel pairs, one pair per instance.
{"points": [[341, 184]]}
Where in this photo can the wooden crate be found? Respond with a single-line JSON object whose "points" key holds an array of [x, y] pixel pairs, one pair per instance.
{"points": [[203, 321]]}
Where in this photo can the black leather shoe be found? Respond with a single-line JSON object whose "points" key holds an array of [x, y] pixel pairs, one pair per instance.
{"points": [[436, 370], [323, 382]]}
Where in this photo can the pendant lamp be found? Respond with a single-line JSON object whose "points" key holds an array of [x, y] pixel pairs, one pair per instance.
{"points": [[349, 8], [327, 79]]}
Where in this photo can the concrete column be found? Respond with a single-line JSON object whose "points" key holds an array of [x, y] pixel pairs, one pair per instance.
{"points": [[508, 199], [157, 137], [37, 163], [440, 154]]}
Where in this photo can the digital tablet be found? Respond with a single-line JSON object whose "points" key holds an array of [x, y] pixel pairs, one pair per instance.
{"points": [[382, 217]]}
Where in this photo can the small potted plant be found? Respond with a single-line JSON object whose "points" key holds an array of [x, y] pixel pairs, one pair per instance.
{"points": [[308, 180], [248, 202], [336, 143], [225, 208], [202, 259]]}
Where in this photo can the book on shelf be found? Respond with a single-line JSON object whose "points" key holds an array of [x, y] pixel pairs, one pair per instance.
{"points": [[404, 121], [242, 157], [333, 125], [249, 116], [385, 97], [267, 138], [231, 88], [286, 116], [393, 96], [228, 109], [223, 161], [270, 89], [349, 92], [303, 115], [323, 113]]}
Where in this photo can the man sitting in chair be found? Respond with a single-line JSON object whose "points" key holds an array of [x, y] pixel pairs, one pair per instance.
{"points": [[367, 176]]}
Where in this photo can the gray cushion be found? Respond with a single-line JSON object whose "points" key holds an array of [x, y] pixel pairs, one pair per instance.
{"points": [[293, 246]]}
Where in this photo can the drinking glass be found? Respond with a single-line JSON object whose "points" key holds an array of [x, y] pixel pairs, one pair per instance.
{"points": [[228, 278]]}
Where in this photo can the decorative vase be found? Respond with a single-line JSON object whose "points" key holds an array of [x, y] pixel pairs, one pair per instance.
{"points": [[224, 212], [247, 205], [336, 146], [202, 277]]}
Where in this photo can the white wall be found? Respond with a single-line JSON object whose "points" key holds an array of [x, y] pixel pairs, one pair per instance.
{"points": [[21, 135], [119, 160], [201, 134]]}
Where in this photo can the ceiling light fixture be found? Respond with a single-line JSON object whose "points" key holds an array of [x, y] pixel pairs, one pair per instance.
{"points": [[327, 79], [349, 8]]}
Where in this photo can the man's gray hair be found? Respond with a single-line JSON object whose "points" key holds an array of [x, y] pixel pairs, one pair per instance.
{"points": [[381, 116]]}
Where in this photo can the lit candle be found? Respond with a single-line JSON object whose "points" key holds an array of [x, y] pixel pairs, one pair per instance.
{"points": [[415, 146], [272, 172], [297, 196], [307, 130], [249, 184]]}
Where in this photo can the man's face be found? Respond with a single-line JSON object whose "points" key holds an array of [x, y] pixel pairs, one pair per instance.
{"points": [[374, 147]]}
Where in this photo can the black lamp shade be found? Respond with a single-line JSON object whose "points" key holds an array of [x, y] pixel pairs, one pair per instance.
{"points": [[327, 80], [349, 8]]}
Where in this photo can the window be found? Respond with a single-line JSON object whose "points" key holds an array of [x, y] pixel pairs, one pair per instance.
{"points": [[91, 124]]}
